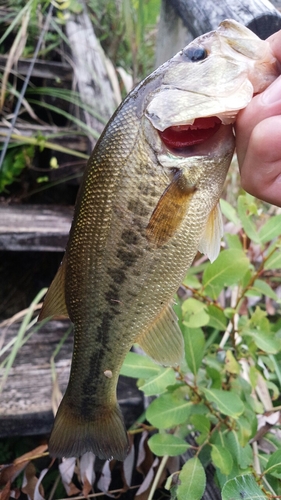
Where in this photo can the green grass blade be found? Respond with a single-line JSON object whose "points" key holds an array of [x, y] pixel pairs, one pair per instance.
{"points": [[41, 143], [22, 330], [67, 115], [16, 20], [70, 96]]}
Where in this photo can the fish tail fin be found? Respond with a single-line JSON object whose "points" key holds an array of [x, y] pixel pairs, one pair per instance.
{"points": [[103, 433]]}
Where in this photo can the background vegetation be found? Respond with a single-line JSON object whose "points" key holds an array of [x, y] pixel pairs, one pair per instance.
{"points": [[220, 410]]}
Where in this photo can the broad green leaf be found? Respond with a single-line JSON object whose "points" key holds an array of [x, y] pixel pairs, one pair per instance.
{"points": [[222, 478], [246, 456], [201, 423], [245, 210], [138, 366], [215, 376], [244, 430], [243, 456], [251, 417], [227, 403], [212, 360], [274, 261], [229, 212], [192, 481], [274, 388], [159, 383], [169, 482], [222, 459], [259, 319], [194, 269], [271, 229], [228, 269], [264, 340], [253, 376], [217, 318], [233, 241], [231, 365], [259, 288], [194, 344], [242, 487], [192, 281], [194, 313], [274, 465], [167, 444], [241, 386], [168, 411]]}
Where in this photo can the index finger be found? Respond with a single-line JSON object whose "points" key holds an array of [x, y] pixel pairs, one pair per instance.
{"points": [[275, 44]]}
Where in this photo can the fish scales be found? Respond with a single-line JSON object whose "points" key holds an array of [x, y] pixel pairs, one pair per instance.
{"points": [[148, 201]]}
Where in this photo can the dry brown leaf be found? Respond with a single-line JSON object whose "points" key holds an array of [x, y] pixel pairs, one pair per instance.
{"points": [[143, 491], [105, 479], [141, 451], [31, 455], [66, 469], [38, 488], [56, 392], [30, 482], [87, 487], [146, 457], [128, 464], [5, 493], [87, 472], [18, 316], [9, 472], [269, 304]]}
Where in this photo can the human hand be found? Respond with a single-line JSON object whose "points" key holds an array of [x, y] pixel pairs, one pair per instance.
{"points": [[258, 139]]}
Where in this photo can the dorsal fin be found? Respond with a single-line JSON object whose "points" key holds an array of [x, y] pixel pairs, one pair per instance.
{"points": [[163, 340], [54, 302]]}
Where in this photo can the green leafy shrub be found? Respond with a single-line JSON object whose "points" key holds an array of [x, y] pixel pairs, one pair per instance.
{"points": [[228, 385], [13, 164]]}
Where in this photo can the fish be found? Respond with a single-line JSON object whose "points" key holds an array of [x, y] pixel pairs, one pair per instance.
{"points": [[148, 202]]}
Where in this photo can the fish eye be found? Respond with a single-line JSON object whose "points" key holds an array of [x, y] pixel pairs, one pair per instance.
{"points": [[195, 53]]}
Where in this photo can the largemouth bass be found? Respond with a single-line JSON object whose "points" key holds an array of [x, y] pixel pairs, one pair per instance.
{"points": [[147, 203]]}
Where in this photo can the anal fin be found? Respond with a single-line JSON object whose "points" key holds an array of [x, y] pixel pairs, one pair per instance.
{"points": [[54, 302], [163, 340], [210, 241]]}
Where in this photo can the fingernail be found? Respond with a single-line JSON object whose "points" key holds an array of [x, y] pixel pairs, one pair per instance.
{"points": [[273, 93]]}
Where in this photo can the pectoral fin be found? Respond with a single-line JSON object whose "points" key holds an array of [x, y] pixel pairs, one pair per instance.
{"points": [[213, 232], [169, 211], [163, 341], [54, 302]]}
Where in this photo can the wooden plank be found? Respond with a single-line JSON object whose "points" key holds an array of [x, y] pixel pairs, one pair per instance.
{"points": [[172, 34], [183, 20], [200, 17], [26, 401], [42, 69], [94, 73], [34, 227]]}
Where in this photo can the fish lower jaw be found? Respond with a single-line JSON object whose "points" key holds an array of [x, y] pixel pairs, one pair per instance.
{"points": [[218, 139]]}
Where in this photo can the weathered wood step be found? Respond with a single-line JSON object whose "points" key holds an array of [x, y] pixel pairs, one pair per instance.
{"points": [[34, 227], [26, 400], [50, 70]]}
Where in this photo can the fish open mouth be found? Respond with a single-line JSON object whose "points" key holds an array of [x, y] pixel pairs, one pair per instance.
{"points": [[181, 137]]}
